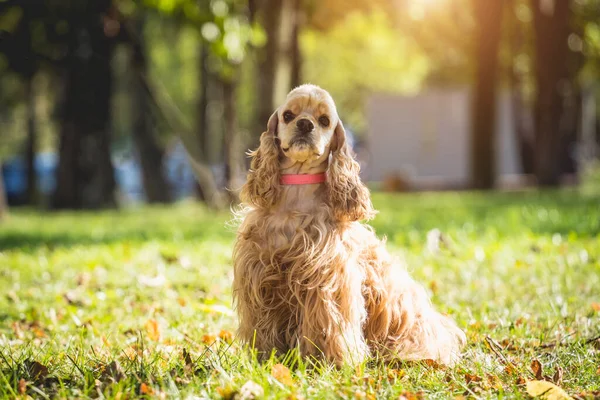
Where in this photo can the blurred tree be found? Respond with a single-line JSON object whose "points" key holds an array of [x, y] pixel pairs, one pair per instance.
{"points": [[85, 174], [295, 54], [268, 14], [519, 77], [551, 21], [18, 48], [150, 152], [488, 16], [3, 204]]}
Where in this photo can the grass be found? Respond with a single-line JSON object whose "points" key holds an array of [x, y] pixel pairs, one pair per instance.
{"points": [[137, 303]]}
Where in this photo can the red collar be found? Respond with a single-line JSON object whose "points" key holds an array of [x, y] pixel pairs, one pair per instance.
{"points": [[302, 179]]}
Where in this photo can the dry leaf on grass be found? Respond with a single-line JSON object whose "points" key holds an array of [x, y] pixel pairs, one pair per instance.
{"points": [[145, 389], [226, 336], [282, 374], [208, 339], [411, 396], [22, 386], [153, 330], [36, 370], [596, 306], [536, 367], [558, 375], [546, 390]]}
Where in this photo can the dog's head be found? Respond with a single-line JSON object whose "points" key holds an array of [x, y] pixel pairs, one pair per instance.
{"points": [[307, 121], [306, 130]]}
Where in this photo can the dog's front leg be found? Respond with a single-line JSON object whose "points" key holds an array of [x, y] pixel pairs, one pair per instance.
{"points": [[333, 317]]}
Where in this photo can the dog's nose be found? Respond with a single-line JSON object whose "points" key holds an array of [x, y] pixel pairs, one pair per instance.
{"points": [[304, 125]]}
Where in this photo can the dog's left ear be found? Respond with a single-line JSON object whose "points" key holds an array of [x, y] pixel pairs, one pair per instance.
{"points": [[348, 197]]}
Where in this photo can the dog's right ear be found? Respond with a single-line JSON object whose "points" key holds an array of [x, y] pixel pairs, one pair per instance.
{"points": [[262, 186]]}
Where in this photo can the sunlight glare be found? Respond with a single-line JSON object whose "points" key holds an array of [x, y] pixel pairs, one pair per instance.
{"points": [[418, 8]]}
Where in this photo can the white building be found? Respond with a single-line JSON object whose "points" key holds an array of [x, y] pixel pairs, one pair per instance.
{"points": [[425, 139]]}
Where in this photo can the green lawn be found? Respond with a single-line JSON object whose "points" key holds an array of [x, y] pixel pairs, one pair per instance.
{"points": [[138, 302]]}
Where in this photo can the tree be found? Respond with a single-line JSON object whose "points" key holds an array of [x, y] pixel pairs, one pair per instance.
{"points": [[150, 153], [551, 28], [3, 204], [295, 53], [85, 174], [488, 15], [269, 15]]}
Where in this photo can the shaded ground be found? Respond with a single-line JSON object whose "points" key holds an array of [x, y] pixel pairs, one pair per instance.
{"points": [[138, 302]]}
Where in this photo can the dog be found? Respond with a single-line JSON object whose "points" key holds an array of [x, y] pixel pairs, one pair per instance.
{"points": [[308, 275]]}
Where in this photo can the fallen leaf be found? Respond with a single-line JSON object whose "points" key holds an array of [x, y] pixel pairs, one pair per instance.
{"points": [[411, 396], [558, 375], [145, 389], [494, 381], [472, 378], [208, 339], [520, 381], [596, 306], [250, 390], [536, 367], [433, 364], [181, 301], [510, 369], [546, 390], [226, 336], [153, 330], [282, 374], [22, 386], [36, 370]]}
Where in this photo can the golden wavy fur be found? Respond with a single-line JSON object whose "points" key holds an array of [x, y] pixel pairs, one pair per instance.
{"points": [[307, 273]]}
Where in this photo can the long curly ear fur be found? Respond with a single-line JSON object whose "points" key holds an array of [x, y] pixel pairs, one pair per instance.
{"points": [[349, 198], [262, 186]]}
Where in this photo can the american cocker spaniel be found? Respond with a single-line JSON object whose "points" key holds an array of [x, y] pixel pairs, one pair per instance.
{"points": [[307, 273]]}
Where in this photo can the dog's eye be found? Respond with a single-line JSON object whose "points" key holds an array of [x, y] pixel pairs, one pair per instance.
{"points": [[323, 120], [288, 116]]}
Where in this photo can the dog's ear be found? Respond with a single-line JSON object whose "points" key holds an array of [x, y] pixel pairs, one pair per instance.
{"points": [[348, 197], [262, 186]]}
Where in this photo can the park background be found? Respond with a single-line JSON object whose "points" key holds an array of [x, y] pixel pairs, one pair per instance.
{"points": [[486, 111]]}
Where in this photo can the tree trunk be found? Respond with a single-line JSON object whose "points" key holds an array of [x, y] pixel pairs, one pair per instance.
{"points": [[202, 104], [523, 127], [270, 14], [3, 203], [31, 143], [85, 174], [295, 54], [488, 16], [150, 153], [551, 27], [231, 152]]}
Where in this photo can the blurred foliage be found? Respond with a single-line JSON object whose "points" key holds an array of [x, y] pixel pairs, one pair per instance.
{"points": [[362, 54]]}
